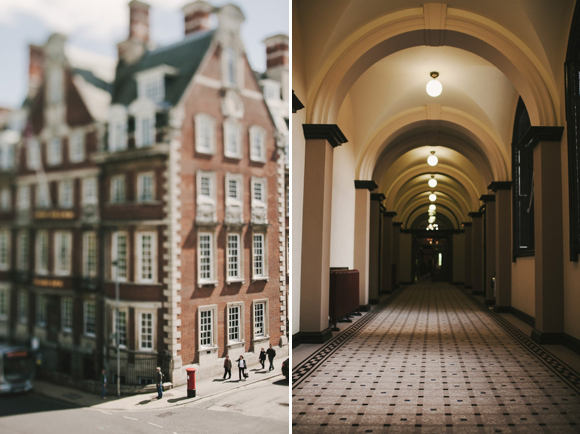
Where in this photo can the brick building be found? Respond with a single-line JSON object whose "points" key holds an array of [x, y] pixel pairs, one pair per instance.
{"points": [[165, 182]]}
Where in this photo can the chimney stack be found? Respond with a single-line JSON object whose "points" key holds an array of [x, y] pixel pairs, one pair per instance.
{"points": [[276, 51], [35, 69], [196, 16], [138, 21]]}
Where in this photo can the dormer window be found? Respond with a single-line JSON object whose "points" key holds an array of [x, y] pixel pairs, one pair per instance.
{"points": [[145, 130], [117, 128], [154, 88], [151, 83], [271, 90]]}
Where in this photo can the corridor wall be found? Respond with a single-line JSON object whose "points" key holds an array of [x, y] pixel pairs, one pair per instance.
{"points": [[459, 258]]}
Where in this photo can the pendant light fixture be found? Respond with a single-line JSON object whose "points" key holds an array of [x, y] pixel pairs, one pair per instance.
{"points": [[432, 207], [432, 197], [434, 87], [432, 182], [432, 160]]}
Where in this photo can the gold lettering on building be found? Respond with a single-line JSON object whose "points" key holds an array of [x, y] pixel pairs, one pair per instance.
{"points": [[48, 282], [54, 214]]}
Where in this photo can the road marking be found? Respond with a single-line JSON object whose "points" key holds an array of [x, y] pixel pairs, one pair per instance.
{"points": [[104, 412], [217, 408], [127, 417], [158, 426]]}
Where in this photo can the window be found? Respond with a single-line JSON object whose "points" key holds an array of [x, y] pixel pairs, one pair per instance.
{"points": [[234, 323], [122, 323], [118, 189], [118, 135], [22, 263], [66, 314], [5, 249], [259, 256], [230, 67], [257, 143], [33, 154], [146, 331], [523, 179], [234, 250], [23, 307], [233, 189], [90, 191], [23, 197], [89, 318], [77, 146], [145, 256], [65, 193], [54, 156], [145, 187], [119, 254], [55, 85], [42, 252], [152, 87], [89, 254], [260, 318], [42, 196], [259, 192], [205, 258], [232, 139], [204, 133], [5, 199], [62, 253], [206, 191], [6, 157], [41, 311], [206, 328], [145, 131], [3, 304]]}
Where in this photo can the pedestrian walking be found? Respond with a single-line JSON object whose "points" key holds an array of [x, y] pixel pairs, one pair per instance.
{"points": [[159, 383], [104, 384], [271, 354], [227, 368], [262, 358], [242, 367]]}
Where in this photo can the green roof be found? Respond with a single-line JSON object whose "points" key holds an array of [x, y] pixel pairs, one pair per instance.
{"points": [[94, 80], [185, 55]]}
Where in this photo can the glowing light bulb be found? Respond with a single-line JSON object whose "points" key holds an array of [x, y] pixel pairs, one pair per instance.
{"points": [[432, 160], [432, 182], [434, 88], [432, 207], [432, 219], [432, 197]]}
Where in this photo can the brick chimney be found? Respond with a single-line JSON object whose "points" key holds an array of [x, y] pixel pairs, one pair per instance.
{"points": [[138, 21], [196, 16], [276, 51], [35, 69]]}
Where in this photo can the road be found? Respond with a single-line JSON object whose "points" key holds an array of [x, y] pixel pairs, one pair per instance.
{"points": [[261, 407]]}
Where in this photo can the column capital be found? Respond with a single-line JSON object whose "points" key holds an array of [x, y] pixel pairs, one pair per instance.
{"points": [[377, 196], [296, 103], [475, 214], [499, 185], [487, 198], [536, 135], [370, 185], [329, 132]]}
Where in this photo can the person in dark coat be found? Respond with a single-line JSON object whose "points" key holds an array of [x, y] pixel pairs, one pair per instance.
{"points": [[271, 354], [227, 368], [104, 383], [242, 367], [262, 358], [159, 383]]}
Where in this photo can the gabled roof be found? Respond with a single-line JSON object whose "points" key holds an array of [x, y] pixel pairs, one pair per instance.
{"points": [[185, 56]]}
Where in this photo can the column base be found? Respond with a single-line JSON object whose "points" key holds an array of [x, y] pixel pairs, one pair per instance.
{"points": [[548, 338], [315, 337], [373, 301], [365, 307], [489, 302]]}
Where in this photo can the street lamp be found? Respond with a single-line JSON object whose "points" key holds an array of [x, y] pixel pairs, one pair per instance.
{"points": [[115, 263]]}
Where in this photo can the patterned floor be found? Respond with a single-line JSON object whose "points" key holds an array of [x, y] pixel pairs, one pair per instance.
{"points": [[434, 361]]}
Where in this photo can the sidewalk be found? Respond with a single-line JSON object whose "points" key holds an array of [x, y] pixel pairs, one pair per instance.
{"points": [[147, 401]]}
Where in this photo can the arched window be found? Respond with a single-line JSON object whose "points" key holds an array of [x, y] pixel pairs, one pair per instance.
{"points": [[573, 123]]}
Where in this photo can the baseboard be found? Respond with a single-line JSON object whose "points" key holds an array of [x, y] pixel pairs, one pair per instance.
{"points": [[489, 302], [296, 340], [548, 338], [524, 317], [314, 337], [373, 301], [572, 343], [365, 307]]}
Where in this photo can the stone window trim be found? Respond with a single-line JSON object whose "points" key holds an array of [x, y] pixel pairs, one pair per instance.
{"points": [[23, 197], [260, 236], [76, 146], [151, 82], [238, 200], [43, 199], [240, 258], [23, 307], [258, 202], [23, 246], [60, 237], [42, 243], [90, 193], [232, 130], [87, 320], [212, 279], [139, 313], [90, 267], [66, 315], [232, 68], [145, 127], [5, 249], [266, 321], [6, 199], [66, 199], [117, 131], [124, 310], [139, 235], [54, 151], [214, 330], [114, 249], [41, 311], [33, 161], [257, 135], [239, 305], [205, 134], [118, 189], [141, 185]]}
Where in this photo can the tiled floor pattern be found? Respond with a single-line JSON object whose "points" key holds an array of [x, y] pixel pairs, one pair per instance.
{"points": [[434, 361]]}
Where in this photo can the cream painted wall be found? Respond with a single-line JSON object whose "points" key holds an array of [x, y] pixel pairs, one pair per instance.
{"points": [[523, 284], [405, 258], [459, 258]]}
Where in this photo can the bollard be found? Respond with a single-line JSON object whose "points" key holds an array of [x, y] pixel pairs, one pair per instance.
{"points": [[190, 382]]}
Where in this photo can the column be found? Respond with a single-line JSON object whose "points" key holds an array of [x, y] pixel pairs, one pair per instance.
{"points": [[503, 243], [374, 248], [477, 253], [548, 233], [489, 243], [468, 263], [314, 281], [362, 218], [396, 254], [387, 252]]}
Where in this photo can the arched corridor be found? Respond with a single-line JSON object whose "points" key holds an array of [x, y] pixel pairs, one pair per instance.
{"points": [[433, 359]]}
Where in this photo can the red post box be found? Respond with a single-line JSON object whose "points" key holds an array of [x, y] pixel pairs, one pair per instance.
{"points": [[190, 382]]}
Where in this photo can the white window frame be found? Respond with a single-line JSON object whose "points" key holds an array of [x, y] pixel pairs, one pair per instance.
{"points": [[54, 151], [232, 68], [263, 202], [151, 85], [42, 252], [117, 128], [211, 199], [231, 308], [257, 132], [212, 279], [5, 249], [90, 193], [23, 251], [23, 197], [122, 337], [114, 250], [6, 199], [239, 180], [140, 256], [76, 146], [23, 306], [66, 193], [90, 251], [138, 315], [59, 238], [232, 129], [33, 154], [239, 255], [41, 310], [43, 199], [141, 185], [213, 333], [145, 129], [66, 314], [205, 123], [4, 304], [115, 180], [264, 256], [86, 304], [264, 302]]}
